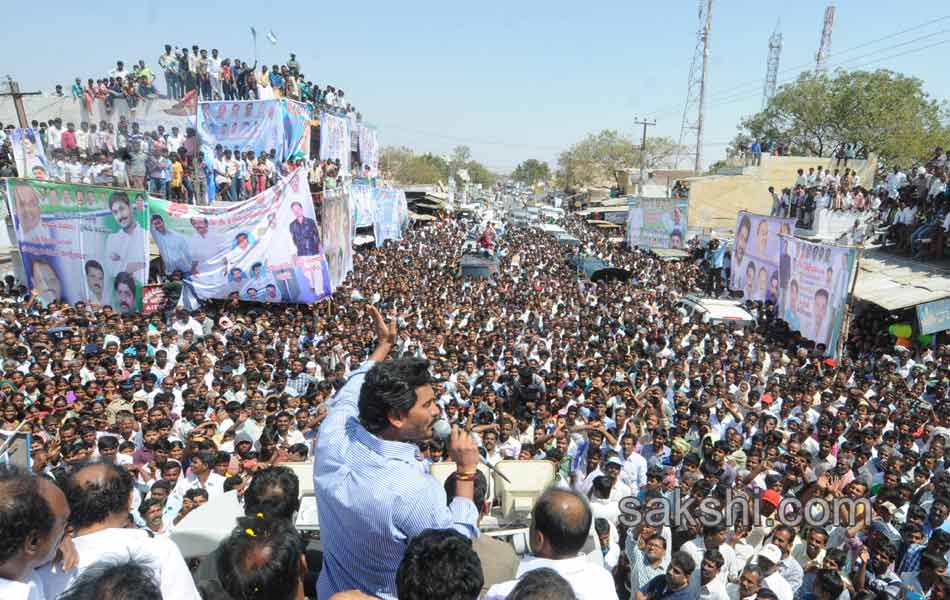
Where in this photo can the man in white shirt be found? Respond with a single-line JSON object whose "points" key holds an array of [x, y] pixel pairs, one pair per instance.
{"points": [[202, 476], [54, 134], [203, 247], [768, 560], [560, 525], [713, 537], [214, 74], [127, 248], [102, 499], [711, 585], [37, 505]]}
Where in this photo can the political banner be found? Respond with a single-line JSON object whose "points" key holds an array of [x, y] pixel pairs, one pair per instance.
{"points": [[354, 126], [337, 230], [657, 222], [755, 254], [153, 299], [81, 242], [369, 151], [257, 126], [335, 140], [934, 316], [814, 280], [297, 117], [361, 200], [28, 154], [392, 214], [265, 249]]}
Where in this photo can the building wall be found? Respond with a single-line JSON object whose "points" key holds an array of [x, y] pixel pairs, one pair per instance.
{"points": [[715, 200]]}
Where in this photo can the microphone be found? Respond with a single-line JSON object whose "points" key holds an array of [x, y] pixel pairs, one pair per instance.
{"points": [[442, 430]]}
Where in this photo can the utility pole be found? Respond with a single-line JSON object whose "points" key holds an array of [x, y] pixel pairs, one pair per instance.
{"points": [[771, 66], [643, 147], [18, 101]]}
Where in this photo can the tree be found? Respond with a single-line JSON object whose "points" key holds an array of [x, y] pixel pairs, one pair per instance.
{"points": [[879, 112], [531, 171], [599, 157], [407, 167]]}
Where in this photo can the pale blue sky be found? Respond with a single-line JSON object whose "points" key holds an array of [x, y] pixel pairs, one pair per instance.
{"points": [[513, 80]]}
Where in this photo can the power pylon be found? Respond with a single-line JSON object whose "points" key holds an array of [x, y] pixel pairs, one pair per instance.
{"points": [[824, 50], [696, 89], [771, 66]]}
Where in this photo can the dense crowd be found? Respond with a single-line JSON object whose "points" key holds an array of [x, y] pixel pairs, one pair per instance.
{"points": [[207, 73], [627, 397]]}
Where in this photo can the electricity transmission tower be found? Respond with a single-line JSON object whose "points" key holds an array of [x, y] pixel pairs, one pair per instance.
{"points": [[824, 50], [693, 111], [771, 67]]}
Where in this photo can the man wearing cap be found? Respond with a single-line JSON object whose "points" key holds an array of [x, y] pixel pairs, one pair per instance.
{"points": [[768, 560], [122, 402]]}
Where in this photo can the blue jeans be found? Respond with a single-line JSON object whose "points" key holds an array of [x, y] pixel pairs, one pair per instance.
{"points": [[925, 230], [172, 85], [157, 185]]}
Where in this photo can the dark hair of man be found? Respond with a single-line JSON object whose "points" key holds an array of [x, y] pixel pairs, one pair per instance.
{"points": [[932, 561], [95, 501], [684, 561], [566, 529], [829, 581], [273, 492], [390, 388], [114, 581], [194, 493], [263, 565], [147, 504], [715, 556], [23, 511], [459, 573], [108, 442], [542, 584], [232, 482], [481, 489]]}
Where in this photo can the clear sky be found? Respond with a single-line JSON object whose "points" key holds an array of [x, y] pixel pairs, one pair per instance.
{"points": [[513, 80]]}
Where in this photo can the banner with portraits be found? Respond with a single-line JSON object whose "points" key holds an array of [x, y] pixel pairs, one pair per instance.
{"points": [[28, 154], [392, 214], [361, 199], [755, 254], [369, 151], [265, 249], [335, 140], [81, 242], [336, 225], [657, 222], [814, 281], [257, 126]]}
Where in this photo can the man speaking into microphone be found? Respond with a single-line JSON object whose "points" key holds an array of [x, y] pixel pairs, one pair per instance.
{"points": [[373, 492]]}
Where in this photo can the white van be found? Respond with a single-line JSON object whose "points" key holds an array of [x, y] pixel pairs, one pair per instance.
{"points": [[715, 311]]}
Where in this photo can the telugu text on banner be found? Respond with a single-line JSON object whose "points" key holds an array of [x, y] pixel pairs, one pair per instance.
{"points": [[814, 280], [265, 249]]}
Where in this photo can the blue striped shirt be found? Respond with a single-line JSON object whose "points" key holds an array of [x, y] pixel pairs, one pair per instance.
{"points": [[374, 496]]}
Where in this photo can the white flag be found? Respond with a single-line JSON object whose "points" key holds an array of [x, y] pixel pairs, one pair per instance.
{"points": [[271, 37]]}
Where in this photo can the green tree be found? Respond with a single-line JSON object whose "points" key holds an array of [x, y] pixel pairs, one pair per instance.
{"points": [[879, 112], [531, 171], [599, 156]]}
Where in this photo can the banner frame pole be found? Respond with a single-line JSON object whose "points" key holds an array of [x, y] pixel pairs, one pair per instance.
{"points": [[849, 306]]}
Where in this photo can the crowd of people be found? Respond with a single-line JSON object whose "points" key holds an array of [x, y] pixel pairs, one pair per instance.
{"points": [[207, 73], [140, 419]]}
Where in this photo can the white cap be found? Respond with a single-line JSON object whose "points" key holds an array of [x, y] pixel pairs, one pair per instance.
{"points": [[771, 553]]}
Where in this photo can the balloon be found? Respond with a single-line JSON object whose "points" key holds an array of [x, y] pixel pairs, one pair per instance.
{"points": [[925, 339], [901, 330], [905, 343]]}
